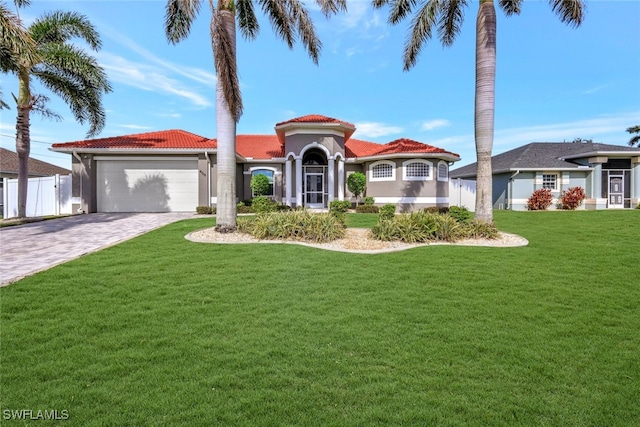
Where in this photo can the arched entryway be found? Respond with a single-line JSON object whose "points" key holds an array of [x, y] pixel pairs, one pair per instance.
{"points": [[315, 184]]}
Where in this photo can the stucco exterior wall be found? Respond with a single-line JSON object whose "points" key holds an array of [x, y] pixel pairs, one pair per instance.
{"points": [[295, 143]]}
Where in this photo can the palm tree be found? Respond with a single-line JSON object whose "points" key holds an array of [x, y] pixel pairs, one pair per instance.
{"points": [[289, 19], [16, 43], [635, 139], [65, 70], [446, 18]]}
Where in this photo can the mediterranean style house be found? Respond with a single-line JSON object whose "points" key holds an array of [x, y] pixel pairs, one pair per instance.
{"points": [[609, 174], [307, 161]]}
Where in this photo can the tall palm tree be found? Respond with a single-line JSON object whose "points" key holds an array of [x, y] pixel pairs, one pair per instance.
{"points": [[15, 44], [446, 17], [65, 70], [635, 139], [290, 19]]}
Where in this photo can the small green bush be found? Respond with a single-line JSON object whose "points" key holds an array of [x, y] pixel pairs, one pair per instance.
{"points": [[481, 230], [437, 209], [638, 207], [339, 206], [369, 200], [356, 184], [387, 211], [367, 209], [460, 213], [244, 209], [205, 210], [260, 184], [262, 204]]}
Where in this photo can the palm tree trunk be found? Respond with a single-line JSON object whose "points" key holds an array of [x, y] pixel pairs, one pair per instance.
{"points": [[485, 107], [226, 207], [23, 141]]}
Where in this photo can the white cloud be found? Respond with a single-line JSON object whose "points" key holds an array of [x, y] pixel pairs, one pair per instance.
{"points": [[375, 129], [595, 89], [135, 127], [434, 124], [148, 77], [170, 115]]}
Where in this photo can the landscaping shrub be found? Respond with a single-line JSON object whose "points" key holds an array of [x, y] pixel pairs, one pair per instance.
{"points": [[481, 230], [356, 183], [437, 209], [339, 206], [369, 200], [244, 209], [367, 209], [460, 213], [293, 225], [262, 204], [572, 198], [205, 210], [387, 211], [540, 200]]}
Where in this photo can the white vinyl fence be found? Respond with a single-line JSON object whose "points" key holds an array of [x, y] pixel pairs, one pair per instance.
{"points": [[49, 195], [462, 192]]}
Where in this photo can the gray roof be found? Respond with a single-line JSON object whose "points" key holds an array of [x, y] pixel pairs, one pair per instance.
{"points": [[545, 155]]}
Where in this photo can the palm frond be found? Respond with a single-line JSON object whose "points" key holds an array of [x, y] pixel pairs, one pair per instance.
{"points": [[225, 61], [247, 21], [39, 105], [571, 12], [306, 30], [16, 45], [60, 27], [510, 7], [179, 15], [331, 7], [280, 18], [399, 9], [420, 32], [451, 21], [635, 140]]}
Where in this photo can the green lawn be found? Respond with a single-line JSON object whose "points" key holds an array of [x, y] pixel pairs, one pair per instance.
{"points": [[163, 331]]}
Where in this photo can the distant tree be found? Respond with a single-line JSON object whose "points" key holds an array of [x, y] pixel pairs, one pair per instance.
{"points": [[635, 140], [356, 183], [580, 140], [259, 185]]}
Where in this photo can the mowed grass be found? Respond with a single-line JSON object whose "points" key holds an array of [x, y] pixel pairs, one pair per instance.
{"points": [[163, 331]]}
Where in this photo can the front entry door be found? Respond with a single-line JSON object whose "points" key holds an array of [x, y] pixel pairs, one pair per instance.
{"points": [[314, 190], [616, 192]]}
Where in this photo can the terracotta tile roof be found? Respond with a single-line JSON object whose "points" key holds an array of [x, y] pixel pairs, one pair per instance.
{"points": [[259, 146], [399, 146], [166, 139], [9, 165], [315, 118]]}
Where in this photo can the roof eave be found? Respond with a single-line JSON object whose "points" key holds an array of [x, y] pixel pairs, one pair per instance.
{"points": [[624, 153], [442, 156]]}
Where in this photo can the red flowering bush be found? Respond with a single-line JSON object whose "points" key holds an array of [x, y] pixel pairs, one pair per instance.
{"points": [[540, 200], [573, 197]]}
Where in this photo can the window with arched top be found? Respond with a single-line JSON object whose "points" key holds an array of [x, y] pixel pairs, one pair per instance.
{"points": [[417, 170], [269, 174], [383, 170], [443, 171]]}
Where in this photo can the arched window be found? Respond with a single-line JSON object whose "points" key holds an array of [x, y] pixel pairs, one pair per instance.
{"points": [[269, 174], [383, 170], [443, 171], [417, 170]]}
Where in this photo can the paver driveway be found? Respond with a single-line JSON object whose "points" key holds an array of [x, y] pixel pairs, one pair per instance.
{"points": [[29, 248]]}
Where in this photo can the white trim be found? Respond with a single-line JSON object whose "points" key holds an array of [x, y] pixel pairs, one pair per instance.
{"points": [[315, 144], [269, 168], [214, 200], [429, 176], [381, 162], [312, 131], [134, 158], [409, 200]]}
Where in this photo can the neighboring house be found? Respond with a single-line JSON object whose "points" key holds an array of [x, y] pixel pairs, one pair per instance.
{"points": [[37, 168], [307, 161], [609, 174]]}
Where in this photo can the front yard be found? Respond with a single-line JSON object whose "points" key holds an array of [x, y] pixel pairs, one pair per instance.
{"points": [[163, 331]]}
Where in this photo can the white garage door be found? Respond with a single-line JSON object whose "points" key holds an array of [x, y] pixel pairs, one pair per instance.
{"points": [[147, 185]]}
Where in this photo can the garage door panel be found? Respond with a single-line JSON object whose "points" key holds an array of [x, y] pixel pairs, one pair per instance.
{"points": [[147, 185]]}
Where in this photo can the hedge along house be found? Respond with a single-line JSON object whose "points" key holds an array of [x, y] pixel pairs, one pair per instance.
{"points": [[307, 161], [609, 174]]}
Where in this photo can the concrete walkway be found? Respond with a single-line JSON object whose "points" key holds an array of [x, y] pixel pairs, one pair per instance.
{"points": [[37, 246]]}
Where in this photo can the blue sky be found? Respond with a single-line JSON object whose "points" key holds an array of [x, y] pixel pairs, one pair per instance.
{"points": [[553, 83]]}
